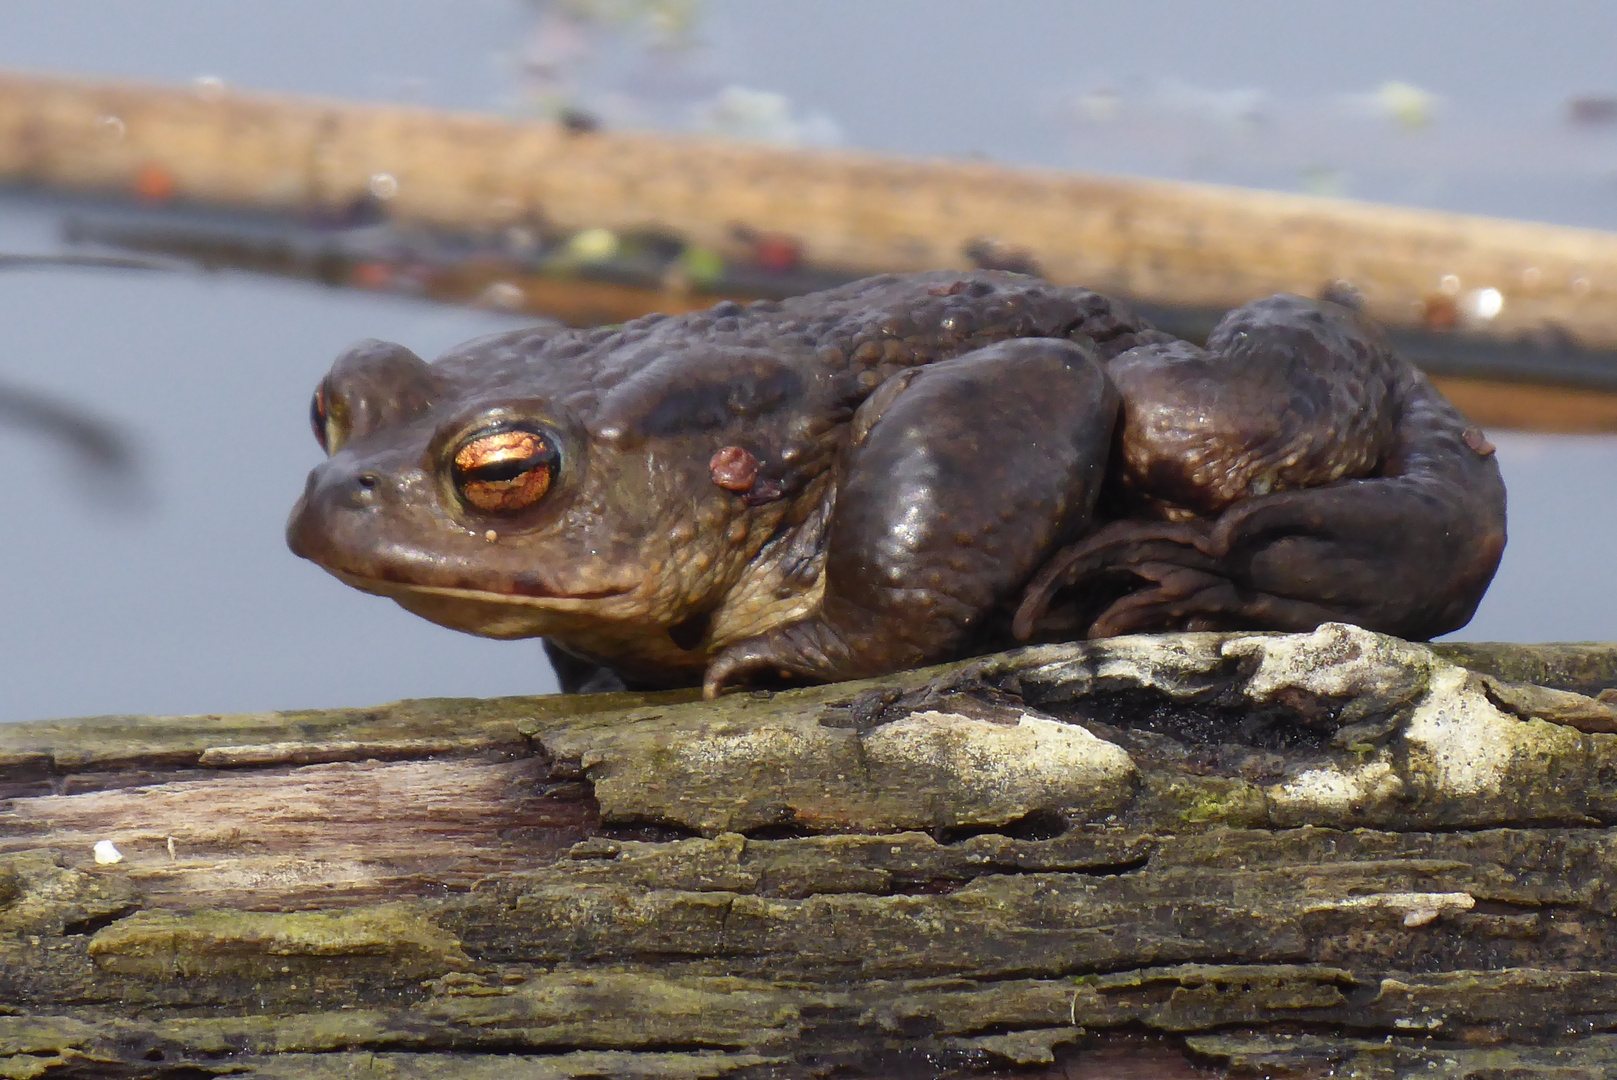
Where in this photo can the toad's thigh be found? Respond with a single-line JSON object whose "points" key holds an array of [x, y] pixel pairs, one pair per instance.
{"points": [[964, 476], [1288, 393]]}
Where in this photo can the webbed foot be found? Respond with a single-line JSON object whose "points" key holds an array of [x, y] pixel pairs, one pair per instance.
{"points": [[1381, 553]]}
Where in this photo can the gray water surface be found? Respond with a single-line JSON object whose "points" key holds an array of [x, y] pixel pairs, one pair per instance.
{"points": [[171, 590]]}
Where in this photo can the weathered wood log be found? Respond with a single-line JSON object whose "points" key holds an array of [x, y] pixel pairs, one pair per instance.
{"points": [[1156, 241], [1272, 853]]}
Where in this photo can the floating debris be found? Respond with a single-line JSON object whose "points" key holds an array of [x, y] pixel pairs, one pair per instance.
{"points": [[1407, 104], [528, 266], [773, 252], [987, 253], [578, 121], [502, 296], [1325, 180], [100, 449], [593, 245], [520, 268], [1591, 110], [1439, 312], [1101, 106], [1242, 109], [1343, 292], [209, 87], [739, 112], [154, 184]]}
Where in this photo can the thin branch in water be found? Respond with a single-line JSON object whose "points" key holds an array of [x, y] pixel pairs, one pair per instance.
{"points": [[99, 262], [99, 446]]}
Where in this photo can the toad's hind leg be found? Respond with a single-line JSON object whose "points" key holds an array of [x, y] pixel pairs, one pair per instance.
{"points": [[1314, 477], [958, 479]]}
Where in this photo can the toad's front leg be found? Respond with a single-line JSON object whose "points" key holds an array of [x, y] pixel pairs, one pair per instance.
{"points": [[958, 480]]}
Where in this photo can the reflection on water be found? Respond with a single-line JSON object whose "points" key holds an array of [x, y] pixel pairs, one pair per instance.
{"points": [[591, 276], [584, 277]]}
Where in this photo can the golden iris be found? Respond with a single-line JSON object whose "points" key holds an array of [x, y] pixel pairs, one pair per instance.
{"points": [[501, 471]]}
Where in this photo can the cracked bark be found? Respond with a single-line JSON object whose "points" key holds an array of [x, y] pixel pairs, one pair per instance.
{"points": [[1244, 854]]}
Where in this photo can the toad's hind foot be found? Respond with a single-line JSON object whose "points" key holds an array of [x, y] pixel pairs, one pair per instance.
{"points": [[1177, 597], [1122, 548], [1397, 555], [1170, 578]]}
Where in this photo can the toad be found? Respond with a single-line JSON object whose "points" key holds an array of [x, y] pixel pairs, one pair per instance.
{"points": [[900, 471]]}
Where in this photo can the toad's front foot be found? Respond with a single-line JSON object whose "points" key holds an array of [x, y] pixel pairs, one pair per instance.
{"points": [[807, 651]]}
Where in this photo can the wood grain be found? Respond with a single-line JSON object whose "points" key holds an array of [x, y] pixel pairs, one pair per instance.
{"points": [[774, 885]]}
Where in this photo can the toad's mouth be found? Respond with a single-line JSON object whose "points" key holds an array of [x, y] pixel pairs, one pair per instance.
{"points": [[529, 593]]}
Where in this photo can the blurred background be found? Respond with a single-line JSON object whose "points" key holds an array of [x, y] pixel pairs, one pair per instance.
{"points": [[154, 420]]}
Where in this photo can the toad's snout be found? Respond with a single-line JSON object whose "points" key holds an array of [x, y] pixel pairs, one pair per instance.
{"points": [[345, 509]]}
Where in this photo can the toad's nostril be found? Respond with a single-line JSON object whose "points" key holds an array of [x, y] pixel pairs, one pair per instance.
{"points": [[362, 492]]}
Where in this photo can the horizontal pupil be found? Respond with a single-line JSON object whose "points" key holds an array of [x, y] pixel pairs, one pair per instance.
{"points": [[498, 471]]}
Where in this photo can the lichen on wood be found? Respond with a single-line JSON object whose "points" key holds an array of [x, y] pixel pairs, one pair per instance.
{"points": [[1252, 853]]}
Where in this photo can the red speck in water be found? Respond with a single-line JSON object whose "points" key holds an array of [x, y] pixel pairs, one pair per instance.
{"points": [[371, 275], [154, 184], [1439, 312], [777, 252]]}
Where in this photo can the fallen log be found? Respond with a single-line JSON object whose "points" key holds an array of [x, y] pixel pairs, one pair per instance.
{"points": [[1158, 242], [1275, 854]]}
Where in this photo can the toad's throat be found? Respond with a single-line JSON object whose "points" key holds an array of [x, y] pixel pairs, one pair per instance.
{"points": [[520, 594], [606, 622]]}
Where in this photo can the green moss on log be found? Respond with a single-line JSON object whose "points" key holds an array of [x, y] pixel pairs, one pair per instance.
{"points": [[1276, 853]]}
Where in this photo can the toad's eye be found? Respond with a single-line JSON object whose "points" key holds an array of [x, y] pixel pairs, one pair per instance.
{"points": [[505, 470], [319, 418]]}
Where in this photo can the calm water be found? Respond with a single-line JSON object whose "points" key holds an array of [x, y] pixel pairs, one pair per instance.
{"points": [[170, 590]]}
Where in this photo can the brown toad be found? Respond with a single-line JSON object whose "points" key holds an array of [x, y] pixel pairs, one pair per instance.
{"points": [[900, 471]]}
